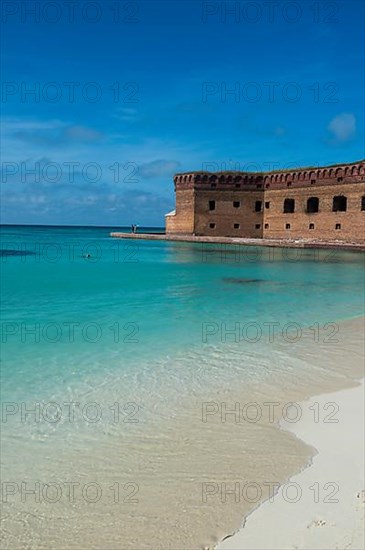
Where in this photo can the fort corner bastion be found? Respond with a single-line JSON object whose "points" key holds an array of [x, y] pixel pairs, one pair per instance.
{"points": [[320, 204]]}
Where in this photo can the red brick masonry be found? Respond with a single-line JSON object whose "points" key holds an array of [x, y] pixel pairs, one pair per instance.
{"points": [[318, 205]]}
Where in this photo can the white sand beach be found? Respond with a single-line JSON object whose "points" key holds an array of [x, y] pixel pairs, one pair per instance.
{"points": [[329, 514]]}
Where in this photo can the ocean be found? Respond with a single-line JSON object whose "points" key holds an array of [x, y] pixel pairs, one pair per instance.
{"points": [[133, 375]]}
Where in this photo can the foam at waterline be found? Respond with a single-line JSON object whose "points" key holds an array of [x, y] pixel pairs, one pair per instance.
{"points": [[171, 456]]}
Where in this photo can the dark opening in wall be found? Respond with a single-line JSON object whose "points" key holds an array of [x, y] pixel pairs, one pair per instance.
{"points": [[338, 226], [236, 204], [213, 185], [237, 185], [313, 181], [311, 226], [236, 225], [267, 185], [288, 184], [267, 204], [289, 206], [258, 206], [212, 225], [339, 203], [266, 226], [211, 205], [312, 205], [257, 226], [339, 179], [363, 203], [287, 226], [258, 186]]}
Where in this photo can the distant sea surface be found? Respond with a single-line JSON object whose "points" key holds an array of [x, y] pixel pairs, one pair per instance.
{"points": [[140, 334]]}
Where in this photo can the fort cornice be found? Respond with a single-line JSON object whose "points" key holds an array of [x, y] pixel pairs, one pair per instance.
{"points": [[300, 177]]}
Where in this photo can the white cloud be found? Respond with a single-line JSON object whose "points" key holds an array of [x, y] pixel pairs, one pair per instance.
{"points": [[343, 127], [159, 168], [127, 114], [83, 134], [13, 124]]}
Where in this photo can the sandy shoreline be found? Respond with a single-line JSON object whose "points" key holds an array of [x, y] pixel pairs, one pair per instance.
{"points": [[177, 458], [329, 511]]}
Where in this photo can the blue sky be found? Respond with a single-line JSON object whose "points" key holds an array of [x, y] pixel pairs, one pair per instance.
{"points": [[125, 94]]}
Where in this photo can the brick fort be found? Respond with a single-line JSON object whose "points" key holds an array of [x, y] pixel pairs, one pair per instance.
{"points": [[319, 204]]}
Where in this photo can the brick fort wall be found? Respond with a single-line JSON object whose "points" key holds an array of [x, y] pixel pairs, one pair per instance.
{"points": [[323, 204]]}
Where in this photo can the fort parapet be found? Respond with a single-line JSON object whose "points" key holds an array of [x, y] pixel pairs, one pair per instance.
{"points": [[322, 204]]}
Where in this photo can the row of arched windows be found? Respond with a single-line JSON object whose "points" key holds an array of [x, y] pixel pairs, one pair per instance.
{"points": [[339, 204]]}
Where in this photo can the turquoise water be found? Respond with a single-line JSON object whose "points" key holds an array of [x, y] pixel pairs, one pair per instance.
{"points": [[146, 332], [132, 302]]}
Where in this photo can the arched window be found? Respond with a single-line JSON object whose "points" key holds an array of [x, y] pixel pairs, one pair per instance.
{"points": [[289, 206], [339, 203], [312, 205]]}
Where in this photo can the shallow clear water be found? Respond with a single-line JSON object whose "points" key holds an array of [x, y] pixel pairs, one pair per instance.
{"points": [[154, 324]]}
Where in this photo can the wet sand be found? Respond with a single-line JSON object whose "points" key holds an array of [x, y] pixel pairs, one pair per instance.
{"points": [[323, 506], [191, 458]]}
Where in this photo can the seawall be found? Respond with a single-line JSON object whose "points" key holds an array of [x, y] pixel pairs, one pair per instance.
{"points": [[283, 243]]}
